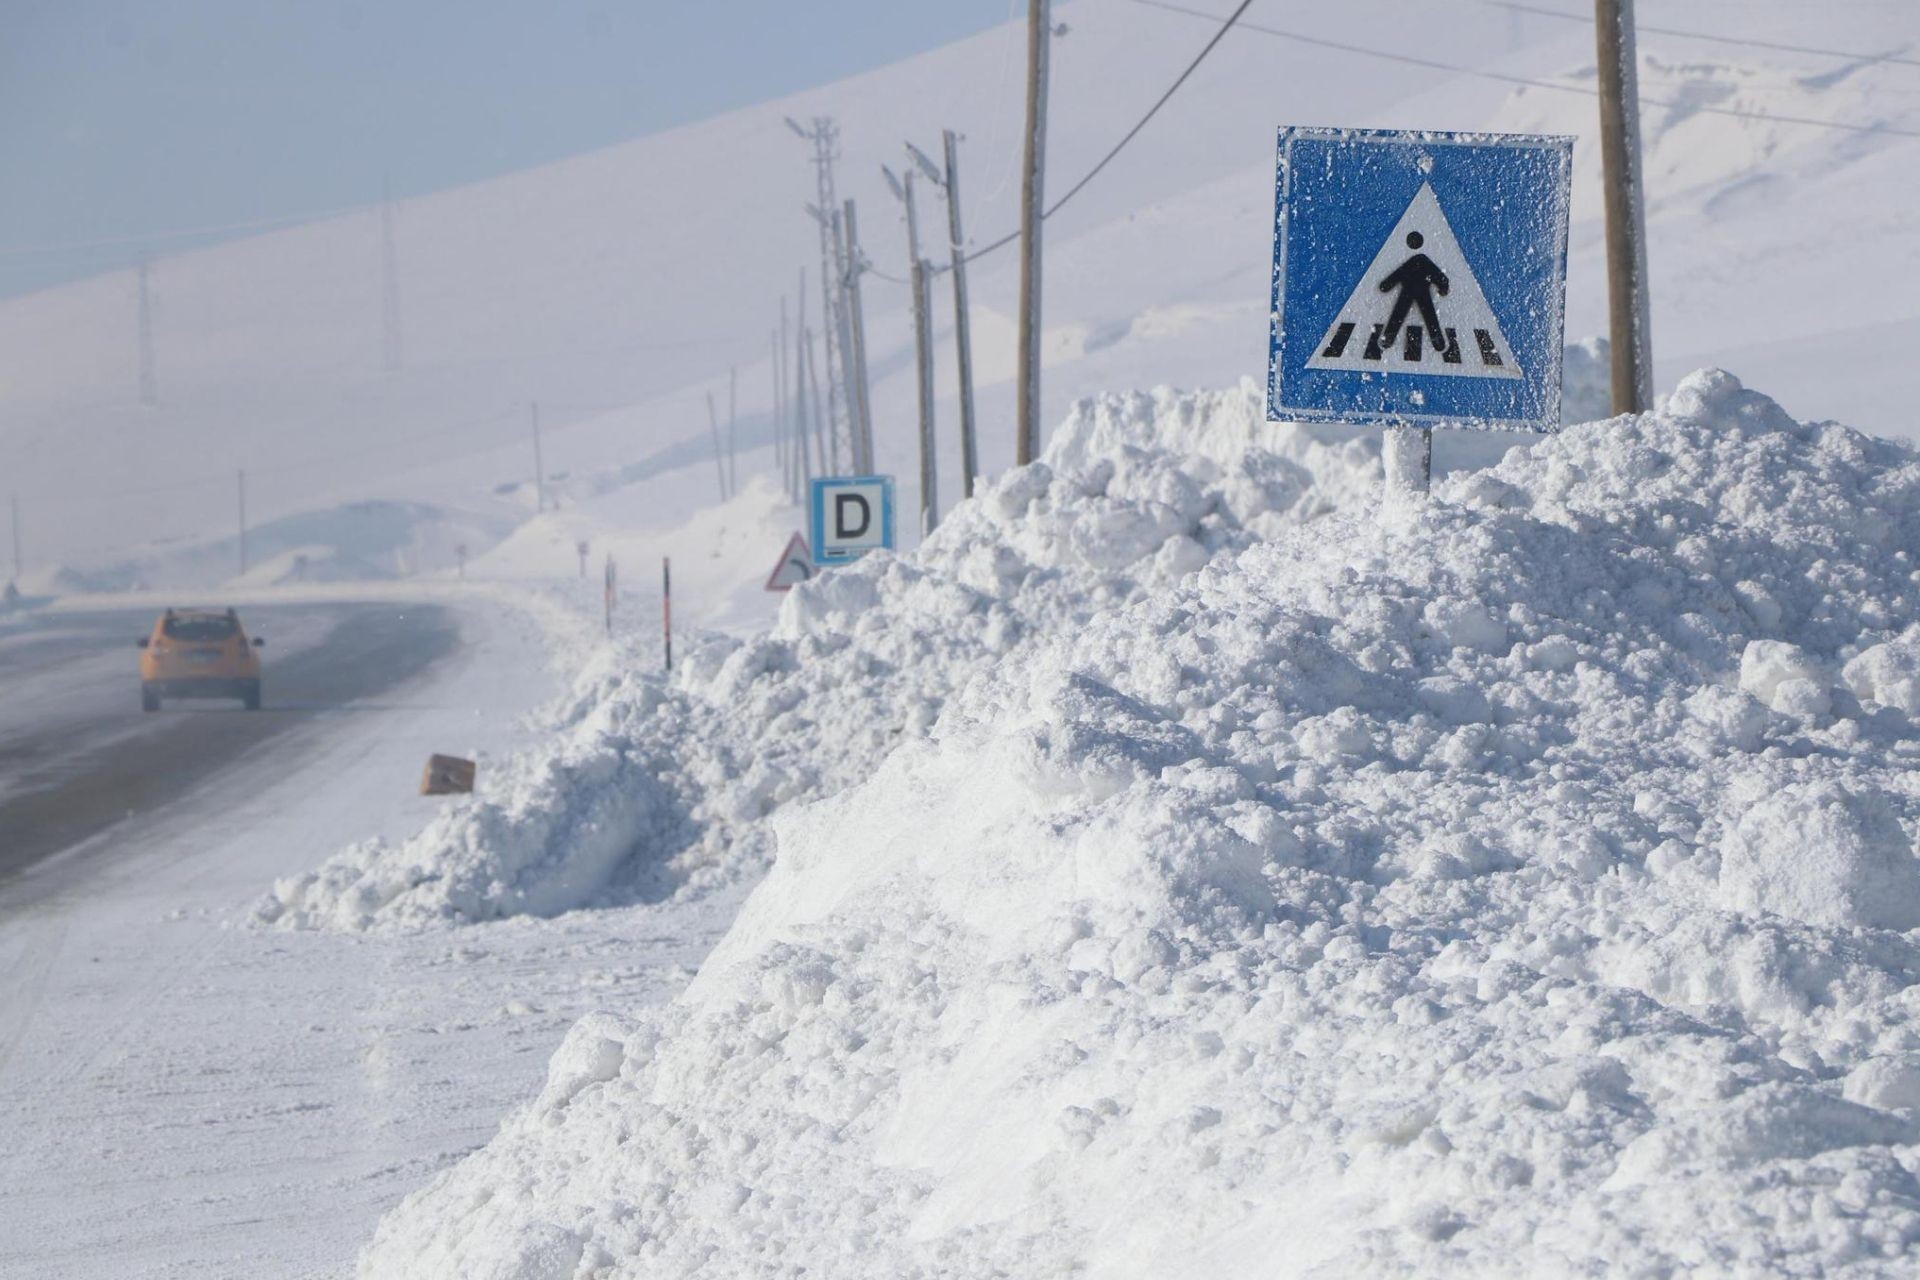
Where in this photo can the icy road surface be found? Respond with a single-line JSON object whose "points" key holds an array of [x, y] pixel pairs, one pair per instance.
{"points": [[188, 1094], [78, 758]]}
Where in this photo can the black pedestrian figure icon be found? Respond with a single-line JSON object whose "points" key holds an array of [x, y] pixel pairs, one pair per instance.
{"points": [[1417, 278]]}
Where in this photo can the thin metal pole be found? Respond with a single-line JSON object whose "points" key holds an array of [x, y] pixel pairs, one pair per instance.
{"points": [[539, 467], [243, 521], [1406, 460], [14, 503], [857, 325], [733, 429], [1032, 202], [824, 135], [779, 406], [666, 607], [803, 471], [962, 322], [821, 453], [719, 458], [1628, 320]]}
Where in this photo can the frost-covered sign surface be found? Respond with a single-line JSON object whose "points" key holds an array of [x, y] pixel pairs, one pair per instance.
{"points": [[852, 515], [1419, 277]]}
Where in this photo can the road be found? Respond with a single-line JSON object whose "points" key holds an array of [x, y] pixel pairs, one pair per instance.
{"points": [[79, 760], [192, 1095]]}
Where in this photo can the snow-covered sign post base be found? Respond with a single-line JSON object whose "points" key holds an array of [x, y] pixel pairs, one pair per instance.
{"points": [[1418, 281]]}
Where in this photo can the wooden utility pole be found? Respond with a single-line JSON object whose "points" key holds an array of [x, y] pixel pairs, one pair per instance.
{"points": [[962, 323], [539, 467], [666, 609], [843, 429], [1032, 208], [1630, 333], [918, 271], [857, 325], [923, 357]]}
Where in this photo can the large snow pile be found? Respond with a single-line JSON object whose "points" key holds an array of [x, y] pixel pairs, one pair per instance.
{"points": [[1507, 885], [649, 788]]}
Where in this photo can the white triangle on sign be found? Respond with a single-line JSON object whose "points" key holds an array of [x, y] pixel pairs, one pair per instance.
{"points": [[1420, 276], [796, 565]]}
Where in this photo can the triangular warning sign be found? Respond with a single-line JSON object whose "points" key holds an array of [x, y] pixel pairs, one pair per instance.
{"points": [[1418, 308], [796, 565]]}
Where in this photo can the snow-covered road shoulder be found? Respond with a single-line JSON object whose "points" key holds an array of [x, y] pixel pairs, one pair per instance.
{"points": [[1508, 886], [649, 787]]}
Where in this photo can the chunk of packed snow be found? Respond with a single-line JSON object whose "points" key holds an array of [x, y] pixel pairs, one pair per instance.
{"points": [[1290, 920]]}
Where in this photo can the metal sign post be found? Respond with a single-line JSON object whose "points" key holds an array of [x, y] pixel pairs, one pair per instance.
{"points": [[1418, 281]]}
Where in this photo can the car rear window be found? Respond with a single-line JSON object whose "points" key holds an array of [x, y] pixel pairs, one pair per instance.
{"points": [[199, 629]]}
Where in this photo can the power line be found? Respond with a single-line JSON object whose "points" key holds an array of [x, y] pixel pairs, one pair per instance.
{"points": [[1504, 78], [1587, 20], [1152, 111]]}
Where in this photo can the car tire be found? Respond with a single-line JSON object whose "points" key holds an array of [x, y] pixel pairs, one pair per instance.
{"points": [[149, 700], [250, 695]]}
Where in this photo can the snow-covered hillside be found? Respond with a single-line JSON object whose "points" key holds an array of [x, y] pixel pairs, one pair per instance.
{"points": [[1515, 883], [616, 289]]}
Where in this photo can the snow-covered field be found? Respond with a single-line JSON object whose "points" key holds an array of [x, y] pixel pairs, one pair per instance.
{"points": [[1188, 861]]}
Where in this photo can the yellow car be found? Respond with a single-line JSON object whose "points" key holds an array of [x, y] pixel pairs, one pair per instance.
{"points": [[199, 653]]}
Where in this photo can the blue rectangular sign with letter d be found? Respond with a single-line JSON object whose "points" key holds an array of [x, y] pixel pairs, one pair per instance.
{"points": [[852, 515], [1419, 278]]}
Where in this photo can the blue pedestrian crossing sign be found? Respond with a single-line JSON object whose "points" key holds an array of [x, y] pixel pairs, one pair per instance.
{"points": [[852, 515], [1419, 278]]}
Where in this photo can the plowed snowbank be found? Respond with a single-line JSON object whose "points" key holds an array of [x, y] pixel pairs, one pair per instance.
{"points": [[651, 788], [1450, 890]]}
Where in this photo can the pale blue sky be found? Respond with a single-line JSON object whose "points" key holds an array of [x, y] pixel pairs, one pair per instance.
{"points": [[119, 118]]}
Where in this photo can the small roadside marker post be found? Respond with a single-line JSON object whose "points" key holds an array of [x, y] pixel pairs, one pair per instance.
{"points": [[666, 607], [609, 592], [1418, 281]]}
